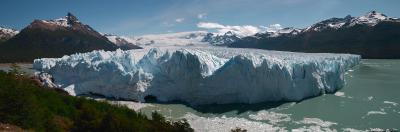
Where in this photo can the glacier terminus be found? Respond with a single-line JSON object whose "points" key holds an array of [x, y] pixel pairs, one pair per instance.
{"points": [[199, 75]]}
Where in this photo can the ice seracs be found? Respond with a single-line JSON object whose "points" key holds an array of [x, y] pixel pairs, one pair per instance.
{"points": [[200, 75]]}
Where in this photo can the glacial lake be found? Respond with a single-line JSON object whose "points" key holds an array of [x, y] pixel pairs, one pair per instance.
{"points": [[369, 101]]}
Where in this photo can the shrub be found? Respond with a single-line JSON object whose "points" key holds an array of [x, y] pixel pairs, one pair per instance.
{"points": [[30, 106]]}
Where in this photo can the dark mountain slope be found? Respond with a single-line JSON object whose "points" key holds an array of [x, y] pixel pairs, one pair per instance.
{"points": [[371, 36], [53, 38]]}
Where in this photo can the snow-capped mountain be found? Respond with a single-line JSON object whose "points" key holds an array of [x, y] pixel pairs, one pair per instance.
{"points": [[7, 33], [118, 40], [122, 41], [53, 38], [193, 38], [370, 19], [68, 21], [373, 35], [216, 39], [289, 31], [332, 23]]}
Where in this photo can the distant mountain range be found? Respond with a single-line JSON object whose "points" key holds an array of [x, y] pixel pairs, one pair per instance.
{"points": [[171, 39], [373, 35], [52, 38], [191, 38]]}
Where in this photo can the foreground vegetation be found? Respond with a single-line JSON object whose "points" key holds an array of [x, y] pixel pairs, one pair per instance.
{"points": [[29, 106]]}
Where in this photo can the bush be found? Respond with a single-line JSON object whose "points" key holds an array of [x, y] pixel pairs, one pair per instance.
{"points": [[30, 106]]}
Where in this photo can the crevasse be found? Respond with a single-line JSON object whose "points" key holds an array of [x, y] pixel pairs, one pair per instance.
{"points": [[200, 75]]}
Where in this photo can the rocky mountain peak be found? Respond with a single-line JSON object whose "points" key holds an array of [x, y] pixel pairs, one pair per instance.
{"points": [[67, 21], [371, 18], [71, 18], [220, 39], [229, 33], [375, 15], [348, 17]]}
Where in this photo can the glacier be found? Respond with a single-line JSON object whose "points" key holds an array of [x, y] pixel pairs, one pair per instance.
{"points": [[199, 75]]}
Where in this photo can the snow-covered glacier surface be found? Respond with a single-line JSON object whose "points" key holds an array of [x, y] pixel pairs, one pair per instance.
{"points": [[200, 75]]}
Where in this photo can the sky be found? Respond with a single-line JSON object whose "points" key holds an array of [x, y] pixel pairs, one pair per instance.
{"points": [[139, 17]]}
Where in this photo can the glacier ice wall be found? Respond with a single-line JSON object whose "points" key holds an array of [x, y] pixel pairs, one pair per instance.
{"points": [[200, 75]]}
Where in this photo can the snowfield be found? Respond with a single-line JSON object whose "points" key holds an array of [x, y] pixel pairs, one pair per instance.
{"points": [[200, 75], [171, 39]]}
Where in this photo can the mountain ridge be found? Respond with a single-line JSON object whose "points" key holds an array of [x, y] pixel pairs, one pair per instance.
{"points": [[53, 38], [373, 35], [369, 35]]}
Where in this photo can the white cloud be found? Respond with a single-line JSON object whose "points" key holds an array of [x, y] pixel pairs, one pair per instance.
{"points": [[179, 20], [202, 15], [210, 25], [272, 28], [245, 30]]}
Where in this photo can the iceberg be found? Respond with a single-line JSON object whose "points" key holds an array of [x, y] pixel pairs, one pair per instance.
{"points": [[200, 75]]}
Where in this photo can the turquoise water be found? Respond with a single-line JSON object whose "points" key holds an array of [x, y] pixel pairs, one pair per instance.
{"points": [[368, 100]]}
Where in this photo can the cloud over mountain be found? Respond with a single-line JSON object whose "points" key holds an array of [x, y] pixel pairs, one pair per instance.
{"points": [[272, 28], [244, 30]]}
